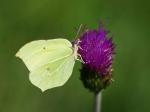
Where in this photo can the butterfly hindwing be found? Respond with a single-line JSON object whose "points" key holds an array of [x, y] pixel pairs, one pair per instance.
{"points": [[53, 74]]}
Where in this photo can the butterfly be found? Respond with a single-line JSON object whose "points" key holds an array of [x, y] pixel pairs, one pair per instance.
{"points": [[50, 62]]}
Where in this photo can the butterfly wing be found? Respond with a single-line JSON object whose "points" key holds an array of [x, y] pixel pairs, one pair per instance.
{"points": [[40, 52], [53, 74], [50, 62]]}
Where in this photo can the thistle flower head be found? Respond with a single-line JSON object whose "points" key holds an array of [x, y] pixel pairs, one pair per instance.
{"points": [[97, 51]]}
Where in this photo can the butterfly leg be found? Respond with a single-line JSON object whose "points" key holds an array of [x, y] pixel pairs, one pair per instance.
{"points": [[81, 60]]}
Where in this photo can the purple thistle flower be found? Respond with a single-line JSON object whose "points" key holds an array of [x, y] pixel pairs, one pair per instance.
{"points": [[97, 51]]}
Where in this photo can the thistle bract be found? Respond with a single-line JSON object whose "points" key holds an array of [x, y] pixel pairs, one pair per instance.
{"points": [[97, 52]]}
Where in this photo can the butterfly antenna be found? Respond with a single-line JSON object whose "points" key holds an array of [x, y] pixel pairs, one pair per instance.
{"points": [[80, 31]]}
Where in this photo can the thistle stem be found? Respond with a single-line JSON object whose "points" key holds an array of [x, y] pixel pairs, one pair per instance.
{"points": [[97, 102]]}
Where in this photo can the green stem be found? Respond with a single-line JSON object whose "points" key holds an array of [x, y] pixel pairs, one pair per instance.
{"points": [[97, 102]]}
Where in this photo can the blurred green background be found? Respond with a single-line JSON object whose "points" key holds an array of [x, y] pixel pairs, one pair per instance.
{"points": [[22, 21]]}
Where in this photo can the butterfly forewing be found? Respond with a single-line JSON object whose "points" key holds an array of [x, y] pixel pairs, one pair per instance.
{"points": [[38, 53]]}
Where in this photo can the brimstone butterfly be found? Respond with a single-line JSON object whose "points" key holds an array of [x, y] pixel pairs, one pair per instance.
{"points": [[50, 62]]}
